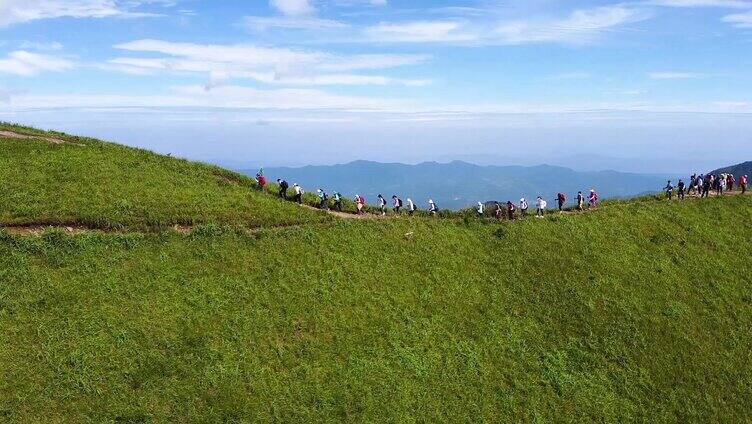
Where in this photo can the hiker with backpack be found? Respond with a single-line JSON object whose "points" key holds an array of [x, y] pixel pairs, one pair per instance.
{"points": [[669, 190], [681, 188], [580, 201], [337, 201], [523, 207], [479, 210], [260, 179], [298, 193], [510, 210], [283, 186], [540, 206], [593, 198], [322, 200], [360, 202], [397, 203], [730, 180], [432, 208], [411, 207], [498, 212], [382, 204], [706, 184], [561, 198]]}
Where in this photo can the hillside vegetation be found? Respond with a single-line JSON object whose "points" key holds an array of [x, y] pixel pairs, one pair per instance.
{"points": [[639, 311], [104, 185]]}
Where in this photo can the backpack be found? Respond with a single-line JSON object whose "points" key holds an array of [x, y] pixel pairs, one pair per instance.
{"points": [[284, 185], [562, 197], [362, 199], [399, 202]]}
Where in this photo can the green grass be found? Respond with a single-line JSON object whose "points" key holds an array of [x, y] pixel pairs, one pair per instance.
{"points": [[104, 185], [639, 311]]}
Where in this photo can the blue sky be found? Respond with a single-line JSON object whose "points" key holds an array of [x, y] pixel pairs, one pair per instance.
{"points": [[645, 85]]}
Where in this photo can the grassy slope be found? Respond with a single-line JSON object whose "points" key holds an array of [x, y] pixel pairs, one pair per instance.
{"points": [[637, 311], [105, 185]]}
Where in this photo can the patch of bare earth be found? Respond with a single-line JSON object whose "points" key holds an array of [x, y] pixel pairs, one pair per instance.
{"points": [[11, 134]]}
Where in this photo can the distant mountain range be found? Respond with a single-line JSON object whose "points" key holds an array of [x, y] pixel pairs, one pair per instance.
{"points": [[460, 184], [739, 169]]}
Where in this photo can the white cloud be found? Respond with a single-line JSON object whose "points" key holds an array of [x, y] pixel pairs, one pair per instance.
{"points": [[293, 7], [419, 32], [731, 4], [24, 63], [262, 23], [269, 65], [673, 75], [581, 26], [739, 20], [20, 11], [32, 45]]}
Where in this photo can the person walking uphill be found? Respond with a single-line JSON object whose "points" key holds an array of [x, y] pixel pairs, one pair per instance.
{"points": [[397, 204], [540, 206], [523, 207], [743, 183], [510, 210], [561, 198], [322, 200], [593, 198], [498, 213], [730, 180], [432, 208], [382, 204], [410, 207], [283, 186], [580, 201], [681, 187], [298, 191], [669, 190], [360, 203], [479, 210], [337, 201], [260, 179]]}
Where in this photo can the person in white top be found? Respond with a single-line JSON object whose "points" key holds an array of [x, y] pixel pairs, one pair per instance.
{"points": [[523, 207], [432, 207], [298, 193], [410, 206], [479, 209], [540, 204]]}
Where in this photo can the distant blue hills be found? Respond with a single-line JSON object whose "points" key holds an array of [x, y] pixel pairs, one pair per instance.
{"points": [[458, 184]]}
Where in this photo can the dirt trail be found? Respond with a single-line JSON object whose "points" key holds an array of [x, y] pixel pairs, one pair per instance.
{"points": [[38, 229], [11, 134]]}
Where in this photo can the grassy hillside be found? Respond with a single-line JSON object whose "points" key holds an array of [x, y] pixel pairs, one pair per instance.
{"points": [[104, 185], [639, 311]]}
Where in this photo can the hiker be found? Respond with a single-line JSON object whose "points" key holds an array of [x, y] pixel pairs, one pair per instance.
{"points": [[681, 188], [322, 200], [397, 203], [561, 198], [730, 180], [382, 205], [359, 203], [337, 201], [669, 190], [298, 193], [498, 212], [692, 184], [260, 180], [540, 206], [411, 207], [283, 186], [743, 183], [510, 210], [523, 207], [432, 208], [593, 198], [479, 209], [580, 201], [706, 182], [719, 183]]}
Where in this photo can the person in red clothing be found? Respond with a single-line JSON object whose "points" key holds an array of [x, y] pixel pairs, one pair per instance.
{"points": [[261, 179], [743, 183], [730, 180]]}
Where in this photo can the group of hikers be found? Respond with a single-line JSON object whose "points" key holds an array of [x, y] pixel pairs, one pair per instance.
{"points": [[699, 185], [509, 209], [703, 185]]}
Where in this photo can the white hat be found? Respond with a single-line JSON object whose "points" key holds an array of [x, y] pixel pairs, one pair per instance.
{"points": [[522, 200], [430, 201]]}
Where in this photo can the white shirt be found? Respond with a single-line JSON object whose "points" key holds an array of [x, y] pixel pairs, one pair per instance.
{"points": [[542, 204]]}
